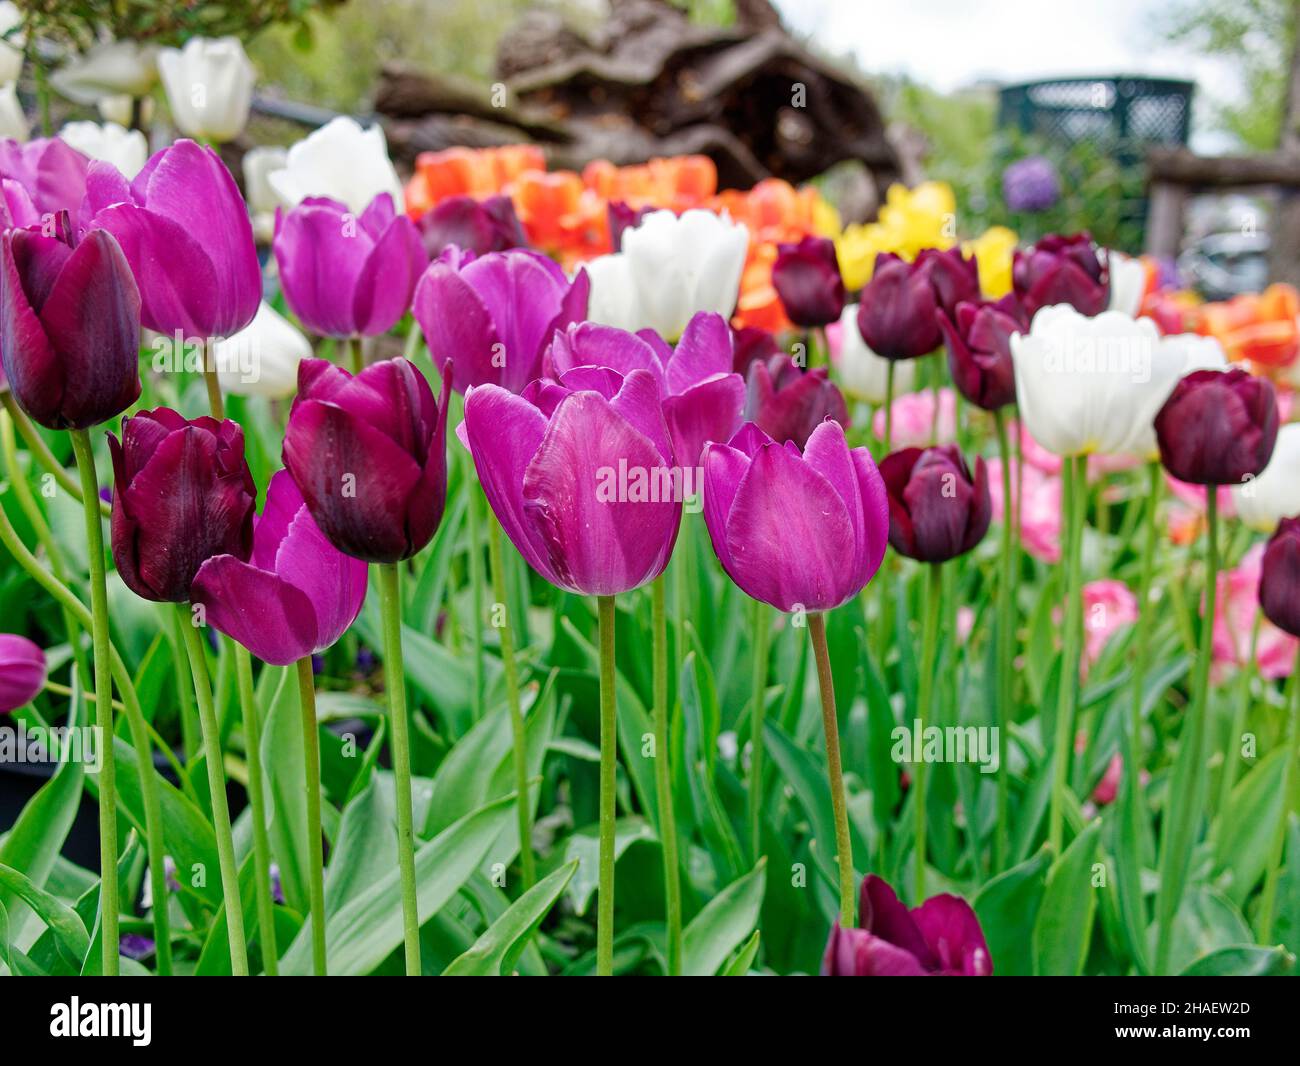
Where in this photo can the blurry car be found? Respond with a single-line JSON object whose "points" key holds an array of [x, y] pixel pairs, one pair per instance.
{"points": [[1224, 265]]}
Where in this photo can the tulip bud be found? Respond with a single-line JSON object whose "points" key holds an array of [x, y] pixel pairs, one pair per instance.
{"points": [[979, 350], [1218, 427], [954, 276], [262, 358], [69, 327], [797, 531], [22, 671], [340, 161], [787, 403], [1061, 270], [369, 455], [182, 493], [752, 344], [295, 595], [478, 226], [896, 311], [1279, 578], [343, 275], [937, 511], [807, 278], [209, 86]]}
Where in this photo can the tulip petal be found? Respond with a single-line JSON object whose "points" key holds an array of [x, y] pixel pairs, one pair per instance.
{"points": [[704, 351], [638, 402], [522, 299], [334, 583], [883, 914], [709, 411], [261, 610], [36, 380], [387, 278], [953, 935], [457, 325]]}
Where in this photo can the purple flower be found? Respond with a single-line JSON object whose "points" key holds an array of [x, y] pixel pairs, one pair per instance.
{"points": [[580, 473], [478, 226], [937, 510], [1279, 577], [51, 173], [762, 499], [896, 309], [752, 344], [1031, 184], [787, 403], [496, 314], [1218, 427], [953, 276], [16, 207], [807, 278], [702, 398], [295, 595], [346, 275], [941, 937], [135, 945], [22, 671], [1061, 270], [186, 233], [979, 349]]}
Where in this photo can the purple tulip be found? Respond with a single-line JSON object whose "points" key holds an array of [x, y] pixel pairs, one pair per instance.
{"points": [[1218, 427], [954, 276], [941, 937], [787, 403], [478, 226], [1279, 577], [69, 327], [16, 206], [1061, 270], [896, 309], [496, 314], [796, 530], [752, 344], [702, 399], [1031, 184], [296, 595], [183, 493], [187, 235], [22, 671], [807, 278], [50, 171], [979, 349], [580, 473], [344, 275], [937, 510], [369, 455]]}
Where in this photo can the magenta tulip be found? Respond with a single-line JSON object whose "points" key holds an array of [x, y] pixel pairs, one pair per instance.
{"points": [[807, 278], [478, 226], [187, 235], [796, 530], [937, 510], [787, 403], [579, 472], [296, 594], [954, 276], [496, 314], [344, 275], [896, 311], [978, 336], [182, 493], [69, 327], [941, 937], [50, 171], [1061, 270], [369, 455], [22, 671], [16, 206], [1218, 427], [1279, 577]]}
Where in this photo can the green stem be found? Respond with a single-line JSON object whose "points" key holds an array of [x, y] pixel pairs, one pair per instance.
{"points": [[924, 710], [1232, 749], [664, 777], [257, 808], [216, 405], [523, 801], [608, 786], [835, 769], [214, 757], [315, 847], [1268, 901], [108, 891], [758, 707], [1068, 681], [356, 357], [1006, 609], [889, 410], [395, 682], [474, 514], [41, 451]]}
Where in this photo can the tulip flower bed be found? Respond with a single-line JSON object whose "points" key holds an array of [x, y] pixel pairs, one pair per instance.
{"points": [[605, 573]]}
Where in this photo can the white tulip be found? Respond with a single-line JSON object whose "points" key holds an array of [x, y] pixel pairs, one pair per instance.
{"points": [[11, 47], [209, 86], [112, 68], [670, 267], [340, 160], [1128, 281], [1094, 385], [863, 373], [1265, 500], [125, 149], [259, 164], [13, 120], [262, 358], [120, 108]]}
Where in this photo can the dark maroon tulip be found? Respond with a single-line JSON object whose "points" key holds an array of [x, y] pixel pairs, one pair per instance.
{"points": [[897, 307], [936, 509], [749, 345], [954, 276], [182, 493], [478, 226], [622, 217], [979, 349], [941, 937], [69, 326], [788, 403], [1218, 427], [1279, 577], [369, 455], [807, 278], [1061, 270]]}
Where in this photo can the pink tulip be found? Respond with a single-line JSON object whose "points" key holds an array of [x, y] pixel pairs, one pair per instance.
{"points": [[1108, 606], [1234, 620], [913, 424], [22, 671], [1040, 511]]}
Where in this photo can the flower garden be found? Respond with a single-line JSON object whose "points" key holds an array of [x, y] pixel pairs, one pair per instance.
{"points": [[498, 569]]}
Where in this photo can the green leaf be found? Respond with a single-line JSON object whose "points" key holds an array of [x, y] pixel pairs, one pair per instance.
{"points": [[495, 952], [744, 958], [286, 771], [69, 931], [726, 920], [1244, 960], [1064, 925], [1008, 905], [584, 846], [1247, 824], [365, 847]]}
